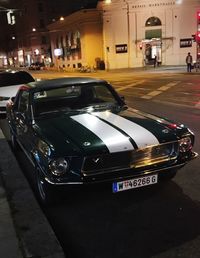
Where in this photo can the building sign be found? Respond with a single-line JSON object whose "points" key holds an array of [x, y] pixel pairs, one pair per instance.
{"points": [[122, 48], [185, 42]]}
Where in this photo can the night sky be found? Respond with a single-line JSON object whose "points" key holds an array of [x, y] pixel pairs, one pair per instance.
{"points": [[72, 4], [68, 6], [76, 4]]}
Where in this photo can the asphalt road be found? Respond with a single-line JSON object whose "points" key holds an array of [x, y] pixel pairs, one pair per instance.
{"points": [[160, 221]]}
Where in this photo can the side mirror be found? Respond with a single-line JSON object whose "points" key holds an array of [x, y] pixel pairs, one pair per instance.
{"points": [[10, 102], [13, 99]]}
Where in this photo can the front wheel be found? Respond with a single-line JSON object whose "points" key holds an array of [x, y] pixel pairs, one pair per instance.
{"points": [[14, 143], [46, 192]]}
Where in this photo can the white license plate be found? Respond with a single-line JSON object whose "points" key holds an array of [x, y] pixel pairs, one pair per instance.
{"points": [[134, 183]]}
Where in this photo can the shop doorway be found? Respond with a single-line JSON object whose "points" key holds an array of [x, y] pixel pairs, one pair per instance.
{"points": [[152, 49], [152, 42]]}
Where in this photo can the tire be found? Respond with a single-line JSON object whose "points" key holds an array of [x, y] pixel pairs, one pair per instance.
{"points": [[14, 143], [45, 192]]}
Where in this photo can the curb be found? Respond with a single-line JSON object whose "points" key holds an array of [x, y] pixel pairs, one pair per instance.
{"points": [[35, 235]]}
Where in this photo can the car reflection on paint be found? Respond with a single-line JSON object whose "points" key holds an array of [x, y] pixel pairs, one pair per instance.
{"points": [[79, 131]]}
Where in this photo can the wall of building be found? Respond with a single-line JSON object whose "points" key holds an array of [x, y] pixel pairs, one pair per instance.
{"points": [[92, 44], [124, 25], [84, 50]]}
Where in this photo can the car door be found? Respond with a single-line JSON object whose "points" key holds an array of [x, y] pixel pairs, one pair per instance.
{"points": [[23, 121]]}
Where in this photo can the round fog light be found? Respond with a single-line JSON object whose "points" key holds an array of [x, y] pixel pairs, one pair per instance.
{"points": [[59, 166], [185, 144]]}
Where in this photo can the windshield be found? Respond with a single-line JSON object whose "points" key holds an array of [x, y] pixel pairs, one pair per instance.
{"points": [[15, 78], [74, 97]]}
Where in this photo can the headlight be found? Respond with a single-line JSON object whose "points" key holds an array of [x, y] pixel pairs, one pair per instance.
{"points": [[59, 166], [185, 144], [44, 148]]}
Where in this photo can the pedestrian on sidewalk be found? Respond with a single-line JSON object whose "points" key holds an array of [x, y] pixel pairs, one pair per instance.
{"points": [[188, 61], [155, 61]]}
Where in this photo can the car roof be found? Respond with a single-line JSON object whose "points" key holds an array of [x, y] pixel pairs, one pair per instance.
{"points": [[13, 77], [61, 82]]}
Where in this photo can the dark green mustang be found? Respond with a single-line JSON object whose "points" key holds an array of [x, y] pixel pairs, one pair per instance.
{"points": [[80, 131]]}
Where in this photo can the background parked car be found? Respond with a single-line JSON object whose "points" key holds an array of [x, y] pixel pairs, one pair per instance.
{"points": [[10, 82], [36, 66]]}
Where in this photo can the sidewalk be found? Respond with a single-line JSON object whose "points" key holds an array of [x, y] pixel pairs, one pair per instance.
{"points": [[148, 68], [123, 71], [9, 245], [180, 69], [24, 229], [157, 69]]}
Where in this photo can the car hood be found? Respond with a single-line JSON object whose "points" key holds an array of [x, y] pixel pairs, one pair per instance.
{"points": [[105, 131]]}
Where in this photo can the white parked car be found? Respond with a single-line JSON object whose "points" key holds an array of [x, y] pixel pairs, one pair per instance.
{"points": [[10, 82]]}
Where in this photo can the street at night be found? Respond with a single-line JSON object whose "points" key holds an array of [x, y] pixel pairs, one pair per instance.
{"points": [[158, 221]]}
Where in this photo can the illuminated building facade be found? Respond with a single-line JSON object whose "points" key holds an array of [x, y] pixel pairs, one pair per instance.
{"points": [[76, 40], [135, 31]]}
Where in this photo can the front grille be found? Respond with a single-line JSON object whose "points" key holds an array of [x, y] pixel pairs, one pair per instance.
{"points": [[132, 159], [155, 154]]}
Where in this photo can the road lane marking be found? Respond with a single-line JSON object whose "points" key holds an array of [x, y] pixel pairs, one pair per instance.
{"points": [[160, 90], [154, 93], [171, 84], [163, 88], [130, 85]]}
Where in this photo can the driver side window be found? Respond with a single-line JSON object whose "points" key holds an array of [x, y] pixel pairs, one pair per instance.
{"points": [[23, 102]]}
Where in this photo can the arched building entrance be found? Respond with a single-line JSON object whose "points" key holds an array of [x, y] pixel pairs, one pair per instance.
{"points": [[152, 42]]}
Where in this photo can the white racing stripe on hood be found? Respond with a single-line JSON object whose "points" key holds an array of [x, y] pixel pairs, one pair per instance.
{"points": [[114, 140], [141, 136]]}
